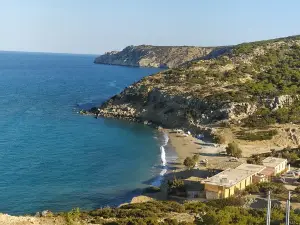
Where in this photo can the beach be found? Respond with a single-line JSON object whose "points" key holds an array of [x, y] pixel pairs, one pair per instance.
{"points": [[187, 146]]}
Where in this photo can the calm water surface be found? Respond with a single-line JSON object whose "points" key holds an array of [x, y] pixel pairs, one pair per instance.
{"points": [[53, 158]]}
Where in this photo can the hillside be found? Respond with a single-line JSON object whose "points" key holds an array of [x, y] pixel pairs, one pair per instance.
{"points": [[254, 85], [216, 212], [153, 56]]}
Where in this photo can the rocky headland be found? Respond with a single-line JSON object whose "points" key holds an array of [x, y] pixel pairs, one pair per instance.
{"points": [[156, 56], [252, 86]]}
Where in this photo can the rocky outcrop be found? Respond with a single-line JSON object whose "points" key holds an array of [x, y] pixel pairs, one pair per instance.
{"points": [[153, 56], [159, 107], [280, 101], [223, 86]]}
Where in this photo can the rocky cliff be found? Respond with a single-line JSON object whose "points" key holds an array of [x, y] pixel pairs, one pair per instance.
{"points": [[153, 56], [251, 84]]}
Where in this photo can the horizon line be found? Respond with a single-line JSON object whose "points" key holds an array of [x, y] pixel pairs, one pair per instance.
{"points": [[42, 52], [98, 54]]}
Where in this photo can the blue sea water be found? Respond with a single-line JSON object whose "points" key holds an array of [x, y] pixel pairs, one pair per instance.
{"points": [[53, 158]]}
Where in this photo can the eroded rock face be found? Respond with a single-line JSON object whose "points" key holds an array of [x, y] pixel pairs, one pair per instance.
{"points": [[280, 101], [220, 86], [158, 106], [177, 110], [153, 56]]}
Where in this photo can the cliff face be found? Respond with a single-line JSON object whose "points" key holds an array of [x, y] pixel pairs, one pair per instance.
{"points": [[153, 56], [252, 83]]}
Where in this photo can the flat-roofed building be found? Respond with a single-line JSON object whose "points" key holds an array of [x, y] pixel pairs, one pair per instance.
{"points": [[251, 167], [279, 165], [259, 175], [226, 183]]}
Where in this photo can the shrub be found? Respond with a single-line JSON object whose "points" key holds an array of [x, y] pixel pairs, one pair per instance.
{"points": [[256, 159], [221, 203], [169, 221], [176, 186], [275, 188], [252, 189], [73, 216], [156, 206], [195, 158], [195, 207], [295, 198], [291, 157], [297, 189], [257, 136], [189, 162], [233, 150]]}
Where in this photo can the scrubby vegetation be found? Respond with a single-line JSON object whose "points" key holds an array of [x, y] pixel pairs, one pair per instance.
{"points": [[275, 188], [189, 162], [216, 212], [176, 187], [292, 155], [256, 136], [253, 85], [234, 150], [255, 159], [264, 117], [256, 71]]}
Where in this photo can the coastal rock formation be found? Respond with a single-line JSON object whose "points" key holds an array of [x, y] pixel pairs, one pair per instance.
{"points": [[258, 82], [154, 56]]}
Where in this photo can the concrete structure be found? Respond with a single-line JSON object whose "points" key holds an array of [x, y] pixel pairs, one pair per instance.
{"points": [[268, 172], [194, 187], [278, 165], [251, 167], [226, 183]]}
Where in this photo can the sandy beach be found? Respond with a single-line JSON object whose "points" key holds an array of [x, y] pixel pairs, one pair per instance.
{"points": [[188, 146]]}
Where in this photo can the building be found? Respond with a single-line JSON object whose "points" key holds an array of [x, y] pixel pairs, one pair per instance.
{"points": [[260, 174], [226, 183], [194, 187], [277, 165]]}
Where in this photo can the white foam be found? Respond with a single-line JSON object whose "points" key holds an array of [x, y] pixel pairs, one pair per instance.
{"points": [[164, 170], [162, 149], [163, 156]]}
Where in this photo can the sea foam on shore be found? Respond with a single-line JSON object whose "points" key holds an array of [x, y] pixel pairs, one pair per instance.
{"points": [[167, 155]]}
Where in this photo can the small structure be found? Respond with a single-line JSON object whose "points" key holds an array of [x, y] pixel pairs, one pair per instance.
{"points": [[269, 173], [194, 187], [278, 165], [226, 183]]}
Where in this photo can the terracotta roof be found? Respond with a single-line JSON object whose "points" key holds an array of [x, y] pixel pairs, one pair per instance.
{"points": [[268, 171]]}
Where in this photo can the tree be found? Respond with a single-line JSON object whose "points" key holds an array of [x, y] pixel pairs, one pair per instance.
{"points": [[176, 186], [234, 150], [195, 158], [189, 162]]}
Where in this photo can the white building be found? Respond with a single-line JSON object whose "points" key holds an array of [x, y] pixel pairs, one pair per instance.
{"points": [[279, 165]]}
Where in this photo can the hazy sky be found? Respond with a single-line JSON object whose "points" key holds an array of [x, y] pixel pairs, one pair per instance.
{"points": [[96, 26]]}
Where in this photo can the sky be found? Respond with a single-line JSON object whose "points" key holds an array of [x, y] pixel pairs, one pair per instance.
{"points": [[97, 26]]}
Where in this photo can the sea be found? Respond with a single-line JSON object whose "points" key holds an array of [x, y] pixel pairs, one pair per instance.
{"points": [[53, 158]]}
